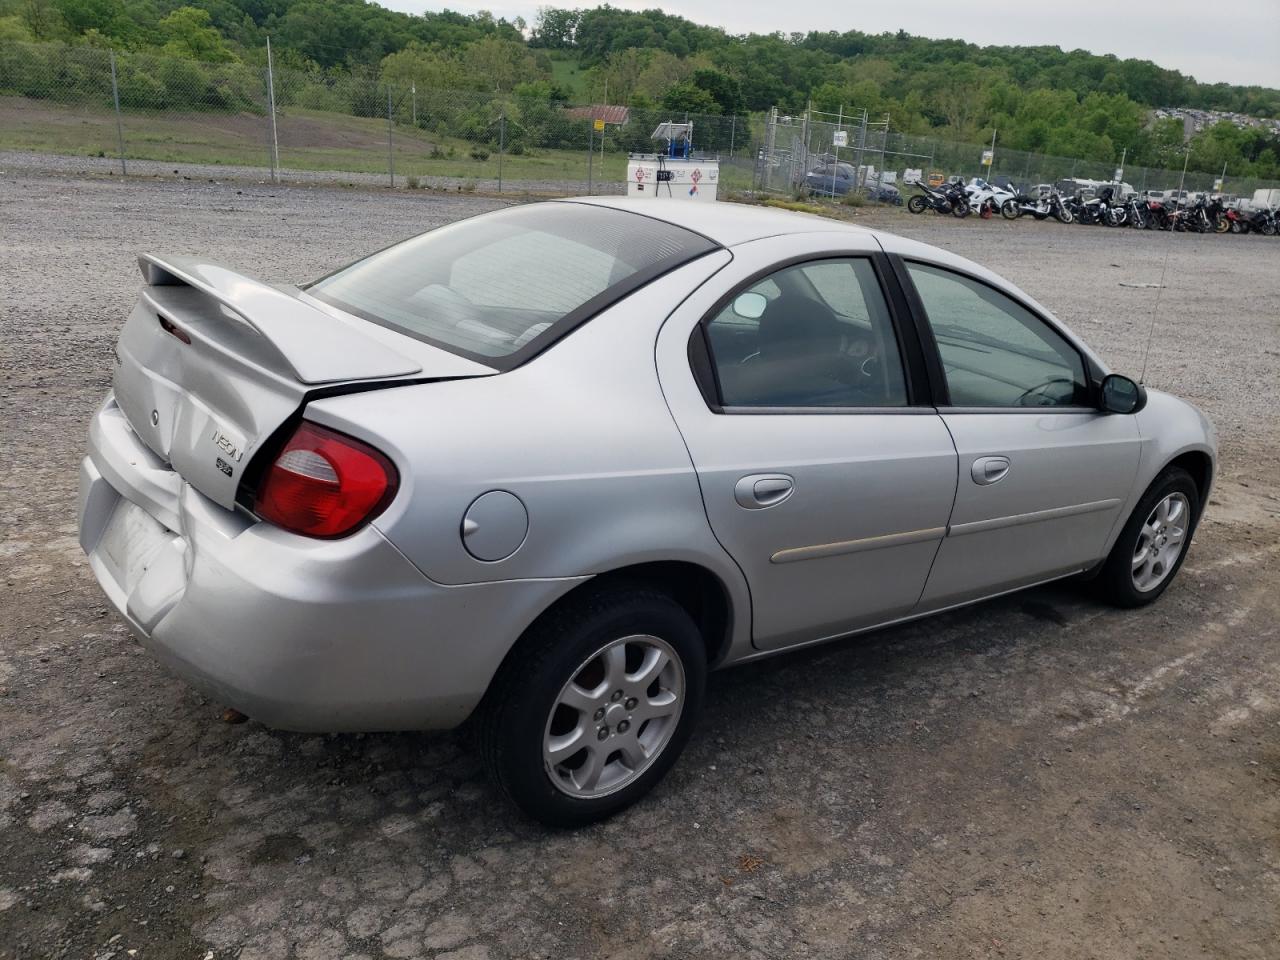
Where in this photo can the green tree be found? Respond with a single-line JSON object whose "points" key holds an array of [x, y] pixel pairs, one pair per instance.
{"points": [[191, 35], [687, 97]]}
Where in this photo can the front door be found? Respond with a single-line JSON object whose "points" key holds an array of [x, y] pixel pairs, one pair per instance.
{"points": [[823, 474], [1042, 473]]}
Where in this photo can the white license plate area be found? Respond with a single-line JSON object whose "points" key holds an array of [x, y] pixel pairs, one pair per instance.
{"points": [[130, 542]]}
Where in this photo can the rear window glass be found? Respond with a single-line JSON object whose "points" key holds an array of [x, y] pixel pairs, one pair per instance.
{"points": [[501, 286]]}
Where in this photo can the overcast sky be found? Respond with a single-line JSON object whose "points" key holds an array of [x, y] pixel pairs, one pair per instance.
{"points": [[1235, 42]]}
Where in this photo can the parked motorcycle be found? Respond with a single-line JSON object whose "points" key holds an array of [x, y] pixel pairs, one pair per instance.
{"points": [[1264, 221], [942, 200], [985, 198], [1136, 212], [1237, 220], [1088, 212]]}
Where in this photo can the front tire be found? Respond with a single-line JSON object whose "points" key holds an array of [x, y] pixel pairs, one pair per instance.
{"points": [[1010, 210], [916, 204], [1150, 549], [595, 705]]}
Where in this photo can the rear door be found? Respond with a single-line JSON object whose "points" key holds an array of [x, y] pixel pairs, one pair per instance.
{"points": [[1043, 474], [825, 472]]}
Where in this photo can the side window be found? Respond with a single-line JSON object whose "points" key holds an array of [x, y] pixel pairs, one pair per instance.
{"points": [[995, 352], [813, 335]]}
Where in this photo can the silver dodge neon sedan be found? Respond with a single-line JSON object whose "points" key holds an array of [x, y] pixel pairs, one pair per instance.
{"points": [[546, 467]]}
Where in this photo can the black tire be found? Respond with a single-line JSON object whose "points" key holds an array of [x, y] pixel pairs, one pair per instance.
{"points": [[1116, 578], [961, 209], [916, 204], [513, 718], [1010, 210], [1064, 215]]}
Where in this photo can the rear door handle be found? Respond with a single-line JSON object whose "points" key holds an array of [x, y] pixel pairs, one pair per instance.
{"points": [[759, 490], [988, 470]]}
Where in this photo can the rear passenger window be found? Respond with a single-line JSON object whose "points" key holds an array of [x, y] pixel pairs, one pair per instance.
{"points": [[812, 335]]}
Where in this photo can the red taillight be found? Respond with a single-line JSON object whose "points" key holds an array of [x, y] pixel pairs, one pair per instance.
{"points": [[325, 484]]}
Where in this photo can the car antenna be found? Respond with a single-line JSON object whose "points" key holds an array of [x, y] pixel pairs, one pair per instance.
{"points": [[1155, 310]]}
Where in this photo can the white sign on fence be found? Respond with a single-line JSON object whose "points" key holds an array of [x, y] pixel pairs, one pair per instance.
{"points": [[912, 175], [840, 138], [1119, 174]]}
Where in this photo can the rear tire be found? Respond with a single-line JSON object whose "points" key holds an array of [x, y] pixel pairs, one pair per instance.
{"points": [[960, 210], [1064, 215], [1131, 577], [565, 679]]}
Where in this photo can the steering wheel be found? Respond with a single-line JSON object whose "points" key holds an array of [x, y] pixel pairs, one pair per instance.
{"points": [[1025, 398]]}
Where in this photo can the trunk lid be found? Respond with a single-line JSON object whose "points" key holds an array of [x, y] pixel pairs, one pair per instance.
{"points": [[211, 362]]}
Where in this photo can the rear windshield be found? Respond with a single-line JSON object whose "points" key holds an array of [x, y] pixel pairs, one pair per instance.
{"points": [[502, 286]]}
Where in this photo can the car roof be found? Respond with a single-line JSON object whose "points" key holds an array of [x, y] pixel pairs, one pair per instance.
{"points": [[730, 224], [727, 224]]}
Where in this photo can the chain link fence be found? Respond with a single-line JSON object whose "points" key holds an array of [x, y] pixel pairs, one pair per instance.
{"points": [[800, 151], [137, 113], [143, 113]]}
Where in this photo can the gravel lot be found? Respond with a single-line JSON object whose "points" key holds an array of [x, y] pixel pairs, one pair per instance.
{"points": [[1036, 777]]}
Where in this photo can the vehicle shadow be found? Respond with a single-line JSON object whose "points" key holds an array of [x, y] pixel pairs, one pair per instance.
{"points": [[866, 691]]}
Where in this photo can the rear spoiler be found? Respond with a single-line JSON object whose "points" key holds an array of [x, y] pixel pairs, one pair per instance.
{"points": [[314, 345]]}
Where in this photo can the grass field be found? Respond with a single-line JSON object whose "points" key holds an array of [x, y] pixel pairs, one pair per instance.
{"points": [[308, 140], [570, 77]]}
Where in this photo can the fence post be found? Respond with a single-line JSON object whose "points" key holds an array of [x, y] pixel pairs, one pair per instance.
{"points": [[274, 153], [502, 143], [858, 178], [115, 95], [391, 154], [591, 153], [884, 142], [413, 87], [733, 129]]}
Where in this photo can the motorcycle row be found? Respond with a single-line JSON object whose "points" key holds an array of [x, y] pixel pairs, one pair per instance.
{"points": [[1200, 215]]}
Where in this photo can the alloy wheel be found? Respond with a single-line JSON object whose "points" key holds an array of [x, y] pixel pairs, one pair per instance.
{"points": [[614, 716], [1160, 542]]}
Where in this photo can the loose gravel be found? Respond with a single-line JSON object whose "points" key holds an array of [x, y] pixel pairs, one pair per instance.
{"points": [[1039, 776]]}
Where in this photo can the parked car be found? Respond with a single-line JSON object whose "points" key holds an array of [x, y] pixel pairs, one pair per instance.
{"points": [[546, 467], [831, 179], [837, 179], [886, 193]]}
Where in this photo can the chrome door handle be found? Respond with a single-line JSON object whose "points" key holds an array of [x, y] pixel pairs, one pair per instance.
{"points": [[987, 470], [760, 490]]}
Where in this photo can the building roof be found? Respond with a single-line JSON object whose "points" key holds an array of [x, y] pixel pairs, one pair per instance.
{"points": [[609, 113]]}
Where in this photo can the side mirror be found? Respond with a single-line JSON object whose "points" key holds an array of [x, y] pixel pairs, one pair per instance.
{"points": [[1121, 395]]}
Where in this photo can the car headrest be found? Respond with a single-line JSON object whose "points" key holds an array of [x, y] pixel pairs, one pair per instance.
{"points": [[794, 322]]}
